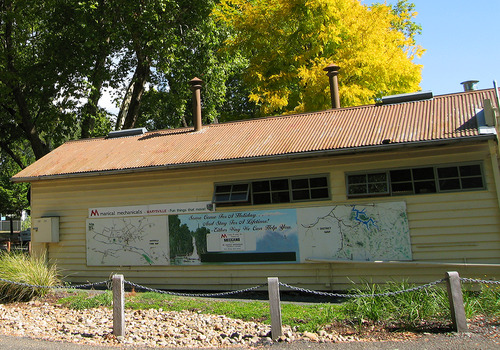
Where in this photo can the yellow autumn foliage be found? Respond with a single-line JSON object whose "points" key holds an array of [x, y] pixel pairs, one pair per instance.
{"points": [[289, 42]]}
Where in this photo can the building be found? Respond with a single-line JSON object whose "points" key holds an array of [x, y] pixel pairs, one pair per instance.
{"points": [[405, 189]]}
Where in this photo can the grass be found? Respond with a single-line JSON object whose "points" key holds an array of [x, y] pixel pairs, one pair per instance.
{"points": [[407, 310], [29, 269], [304, 317]]}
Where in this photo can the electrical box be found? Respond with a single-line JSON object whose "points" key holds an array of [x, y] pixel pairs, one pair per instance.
{"points": [[45, 230]]}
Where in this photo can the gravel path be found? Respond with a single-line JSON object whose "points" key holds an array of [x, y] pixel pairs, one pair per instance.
{"points": [[160, 328]]}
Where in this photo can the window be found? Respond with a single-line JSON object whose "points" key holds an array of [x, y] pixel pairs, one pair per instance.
{"points": [[234, 193], [456, 178], [273, 191], [410, 181]]}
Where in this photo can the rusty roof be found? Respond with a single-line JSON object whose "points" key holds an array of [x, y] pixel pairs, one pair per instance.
{"points": [[444, 118]]}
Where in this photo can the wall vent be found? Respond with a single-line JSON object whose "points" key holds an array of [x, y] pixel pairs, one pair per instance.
{"points": [[126, 132], [414, 96]]}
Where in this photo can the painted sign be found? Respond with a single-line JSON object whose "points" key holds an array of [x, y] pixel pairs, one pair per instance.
{"points": [[367, 232], [127, 241], [152, 209]]}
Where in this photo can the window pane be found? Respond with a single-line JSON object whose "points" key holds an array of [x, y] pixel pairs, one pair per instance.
{"points": [[317, 193], [222, 188], [423, 173], [425, 187], [402, 188], [357, 189], [472, 182], [449, 184], [281, 197], [377, 188], [300, 183], [240, 187], [451, 171], [222, 197], [260, 186], [239, 196], [261, 198], [379, 177], [400, 175], [356, 179], [319, 182], [470, 170], [300, 195], [281, 184]]}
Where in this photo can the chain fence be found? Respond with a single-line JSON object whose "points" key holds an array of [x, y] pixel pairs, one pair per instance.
{"points": [[107, 283]]}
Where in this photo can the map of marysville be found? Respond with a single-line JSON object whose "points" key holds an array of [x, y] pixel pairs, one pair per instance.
{"points": [[355, 232], [367, 232], [127, 241]]}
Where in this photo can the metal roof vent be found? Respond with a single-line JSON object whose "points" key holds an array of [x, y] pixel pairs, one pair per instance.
{"points": [[126, 132], [469, 85], [413, 96]]}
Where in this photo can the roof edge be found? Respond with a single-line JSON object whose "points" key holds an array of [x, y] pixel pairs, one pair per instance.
{"points": [[322, 153]]}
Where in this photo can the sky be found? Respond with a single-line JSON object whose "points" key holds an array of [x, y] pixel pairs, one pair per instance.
{"points": [[462, 42]]}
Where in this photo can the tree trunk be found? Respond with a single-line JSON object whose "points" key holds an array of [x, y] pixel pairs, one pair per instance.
{"points": [[125, 105], [140, 78], [89, 111]]}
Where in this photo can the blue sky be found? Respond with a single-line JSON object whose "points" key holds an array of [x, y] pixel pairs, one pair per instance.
{"points": [[462, 42]]}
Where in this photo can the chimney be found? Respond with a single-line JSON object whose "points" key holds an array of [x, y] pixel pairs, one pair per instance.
{"points": [[469, 85], [196, 87], [332, 71]]}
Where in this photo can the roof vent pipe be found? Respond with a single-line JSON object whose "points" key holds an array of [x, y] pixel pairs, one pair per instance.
{"points": [[332, 71], [196, 87], [469, 85]]}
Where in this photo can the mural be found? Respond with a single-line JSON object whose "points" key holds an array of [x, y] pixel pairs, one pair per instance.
{"points": [[342, 232]]}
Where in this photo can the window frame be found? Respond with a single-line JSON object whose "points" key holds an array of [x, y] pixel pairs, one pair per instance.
{"points": [[436, 179], [276, 194]]}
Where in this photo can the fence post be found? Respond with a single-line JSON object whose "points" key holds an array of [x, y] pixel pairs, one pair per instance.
{"points": [[456, 300], [274, 306], [118, 306]]}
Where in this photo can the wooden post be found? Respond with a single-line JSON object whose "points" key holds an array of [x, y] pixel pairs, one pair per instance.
{"points": [[456, 300], [274, 306], [8, 246], [118, 306]]}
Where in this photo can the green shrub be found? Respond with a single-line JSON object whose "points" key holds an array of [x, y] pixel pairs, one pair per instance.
{"points": [[408, 309], [29, 269]]}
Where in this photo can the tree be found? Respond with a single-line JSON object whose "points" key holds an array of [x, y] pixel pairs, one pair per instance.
{"points": [[289, 42]]}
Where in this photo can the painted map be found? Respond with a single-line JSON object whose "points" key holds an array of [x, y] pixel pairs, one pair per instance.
{"points": [[355, 232], [127, 241]]}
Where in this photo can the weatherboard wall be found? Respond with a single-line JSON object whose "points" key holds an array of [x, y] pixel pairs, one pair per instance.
{"points": [[453, 231]]}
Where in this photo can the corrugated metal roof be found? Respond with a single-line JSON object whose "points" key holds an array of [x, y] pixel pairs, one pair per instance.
{"points": [[446, 117]]}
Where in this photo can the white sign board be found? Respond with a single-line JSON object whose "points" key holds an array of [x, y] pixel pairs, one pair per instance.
{"points": [[152, 209], [128, 241]]}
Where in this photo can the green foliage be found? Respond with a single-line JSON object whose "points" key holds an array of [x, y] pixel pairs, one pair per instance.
{"points": [[485, 302], [408, 309], [82, 300], [29, 269], [288, 43]]}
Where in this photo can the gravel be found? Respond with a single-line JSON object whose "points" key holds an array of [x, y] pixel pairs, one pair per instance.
{"points": [[162, 328]]}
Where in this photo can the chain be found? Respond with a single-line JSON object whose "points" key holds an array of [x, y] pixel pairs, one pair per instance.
{"points": [[206, 295], [22, 284], [303, 290], [471, 280], [338, 295]]}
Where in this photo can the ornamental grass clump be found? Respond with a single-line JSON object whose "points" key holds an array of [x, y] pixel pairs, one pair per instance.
{"points": [[29, 269], [407, 309]]}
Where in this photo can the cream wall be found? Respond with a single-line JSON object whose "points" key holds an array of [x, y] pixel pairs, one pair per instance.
{"points": [[461, 229]]}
